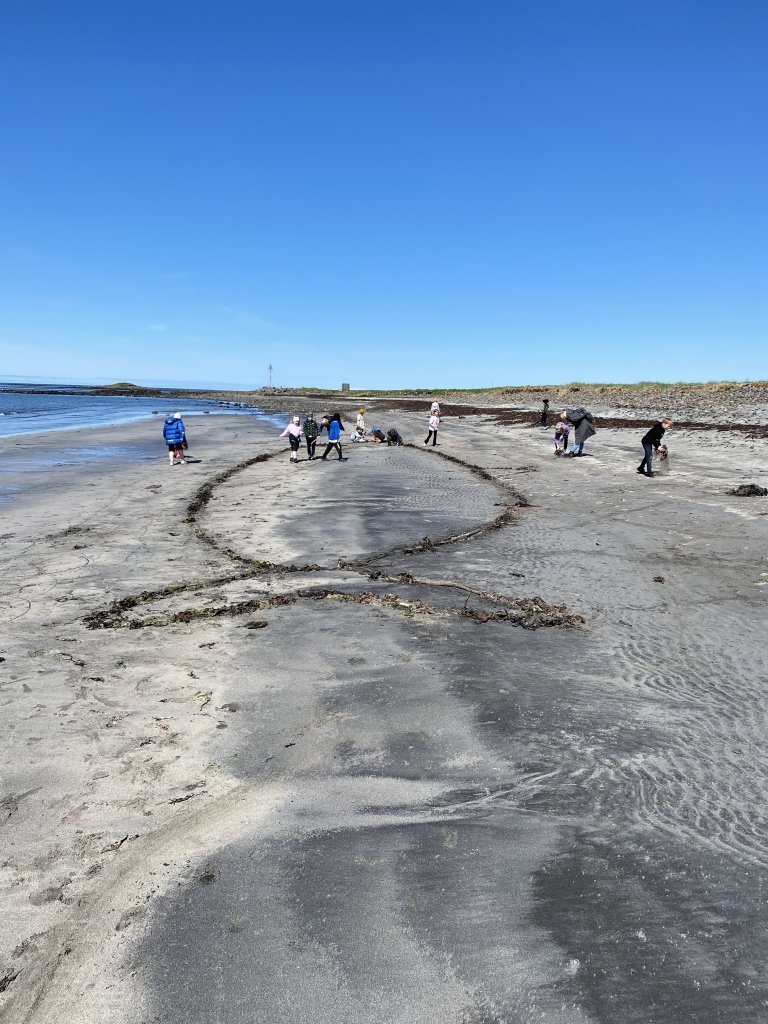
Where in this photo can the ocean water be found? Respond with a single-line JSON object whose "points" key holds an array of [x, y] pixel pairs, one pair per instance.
{"points": [[25, 413]]}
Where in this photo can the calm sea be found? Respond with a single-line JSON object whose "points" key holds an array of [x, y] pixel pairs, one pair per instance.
{"points": [[25, 413]]}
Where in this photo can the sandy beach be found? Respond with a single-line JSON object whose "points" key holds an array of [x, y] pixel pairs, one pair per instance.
{"points": [[467, 734]]}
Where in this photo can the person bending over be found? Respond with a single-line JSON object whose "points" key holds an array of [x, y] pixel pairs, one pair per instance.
{"points": [[583, 426], [651, 442]]}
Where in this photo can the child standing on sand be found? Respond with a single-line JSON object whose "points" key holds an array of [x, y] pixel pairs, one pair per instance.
{"points": [[294, 434], [434, 423], [175, 435], [311, 430]]}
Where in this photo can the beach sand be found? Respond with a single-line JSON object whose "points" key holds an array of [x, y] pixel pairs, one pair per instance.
{"points": [[401, 738]]}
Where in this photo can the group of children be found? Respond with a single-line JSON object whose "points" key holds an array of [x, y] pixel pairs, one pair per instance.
{"points": [[174, 433], [310, 430], [362, 435]]}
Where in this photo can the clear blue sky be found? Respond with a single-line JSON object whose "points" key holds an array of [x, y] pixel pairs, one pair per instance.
{"points": [[386, 192]]}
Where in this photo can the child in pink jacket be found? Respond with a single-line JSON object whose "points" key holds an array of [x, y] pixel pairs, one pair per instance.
{"points": [[294, 434], [434, 423]]}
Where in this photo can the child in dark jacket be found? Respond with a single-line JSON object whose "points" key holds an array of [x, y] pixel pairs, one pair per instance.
{"points": [[311, 430], [650, 442]]}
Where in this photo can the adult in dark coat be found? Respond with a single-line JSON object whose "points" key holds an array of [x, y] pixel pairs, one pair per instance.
{"points": [[584, 428], [651, 442]]}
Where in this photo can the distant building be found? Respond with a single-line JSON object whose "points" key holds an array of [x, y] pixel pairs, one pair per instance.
{"points": [[345, 387]]}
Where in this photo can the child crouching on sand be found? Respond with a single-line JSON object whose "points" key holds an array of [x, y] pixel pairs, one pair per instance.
{"points": [[562, 432], [294, 434]]}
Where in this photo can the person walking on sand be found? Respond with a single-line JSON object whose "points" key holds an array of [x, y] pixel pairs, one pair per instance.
{"points": [[175, 435], [651, 442], [434, 423], [294, 434], [584, 428], [544, 413], [335, 428], [311, 430]]}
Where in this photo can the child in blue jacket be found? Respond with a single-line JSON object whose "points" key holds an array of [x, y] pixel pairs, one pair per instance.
{"points": [[175, 436], [335, 428]]}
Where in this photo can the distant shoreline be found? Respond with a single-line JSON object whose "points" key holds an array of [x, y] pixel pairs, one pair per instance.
{"points": [[125, 388], [724, 402]]}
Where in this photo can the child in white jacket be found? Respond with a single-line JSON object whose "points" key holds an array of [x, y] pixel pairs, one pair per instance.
{"points": [[434, 423], [294, 434]]}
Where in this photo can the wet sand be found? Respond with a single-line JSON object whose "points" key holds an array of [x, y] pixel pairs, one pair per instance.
{"points": [[384, 740]]}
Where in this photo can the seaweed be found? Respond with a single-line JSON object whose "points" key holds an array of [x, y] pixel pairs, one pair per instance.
{"points": [[528, 612]]}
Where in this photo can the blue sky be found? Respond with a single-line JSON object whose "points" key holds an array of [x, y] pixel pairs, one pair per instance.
{"points": [[393, 193]]}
